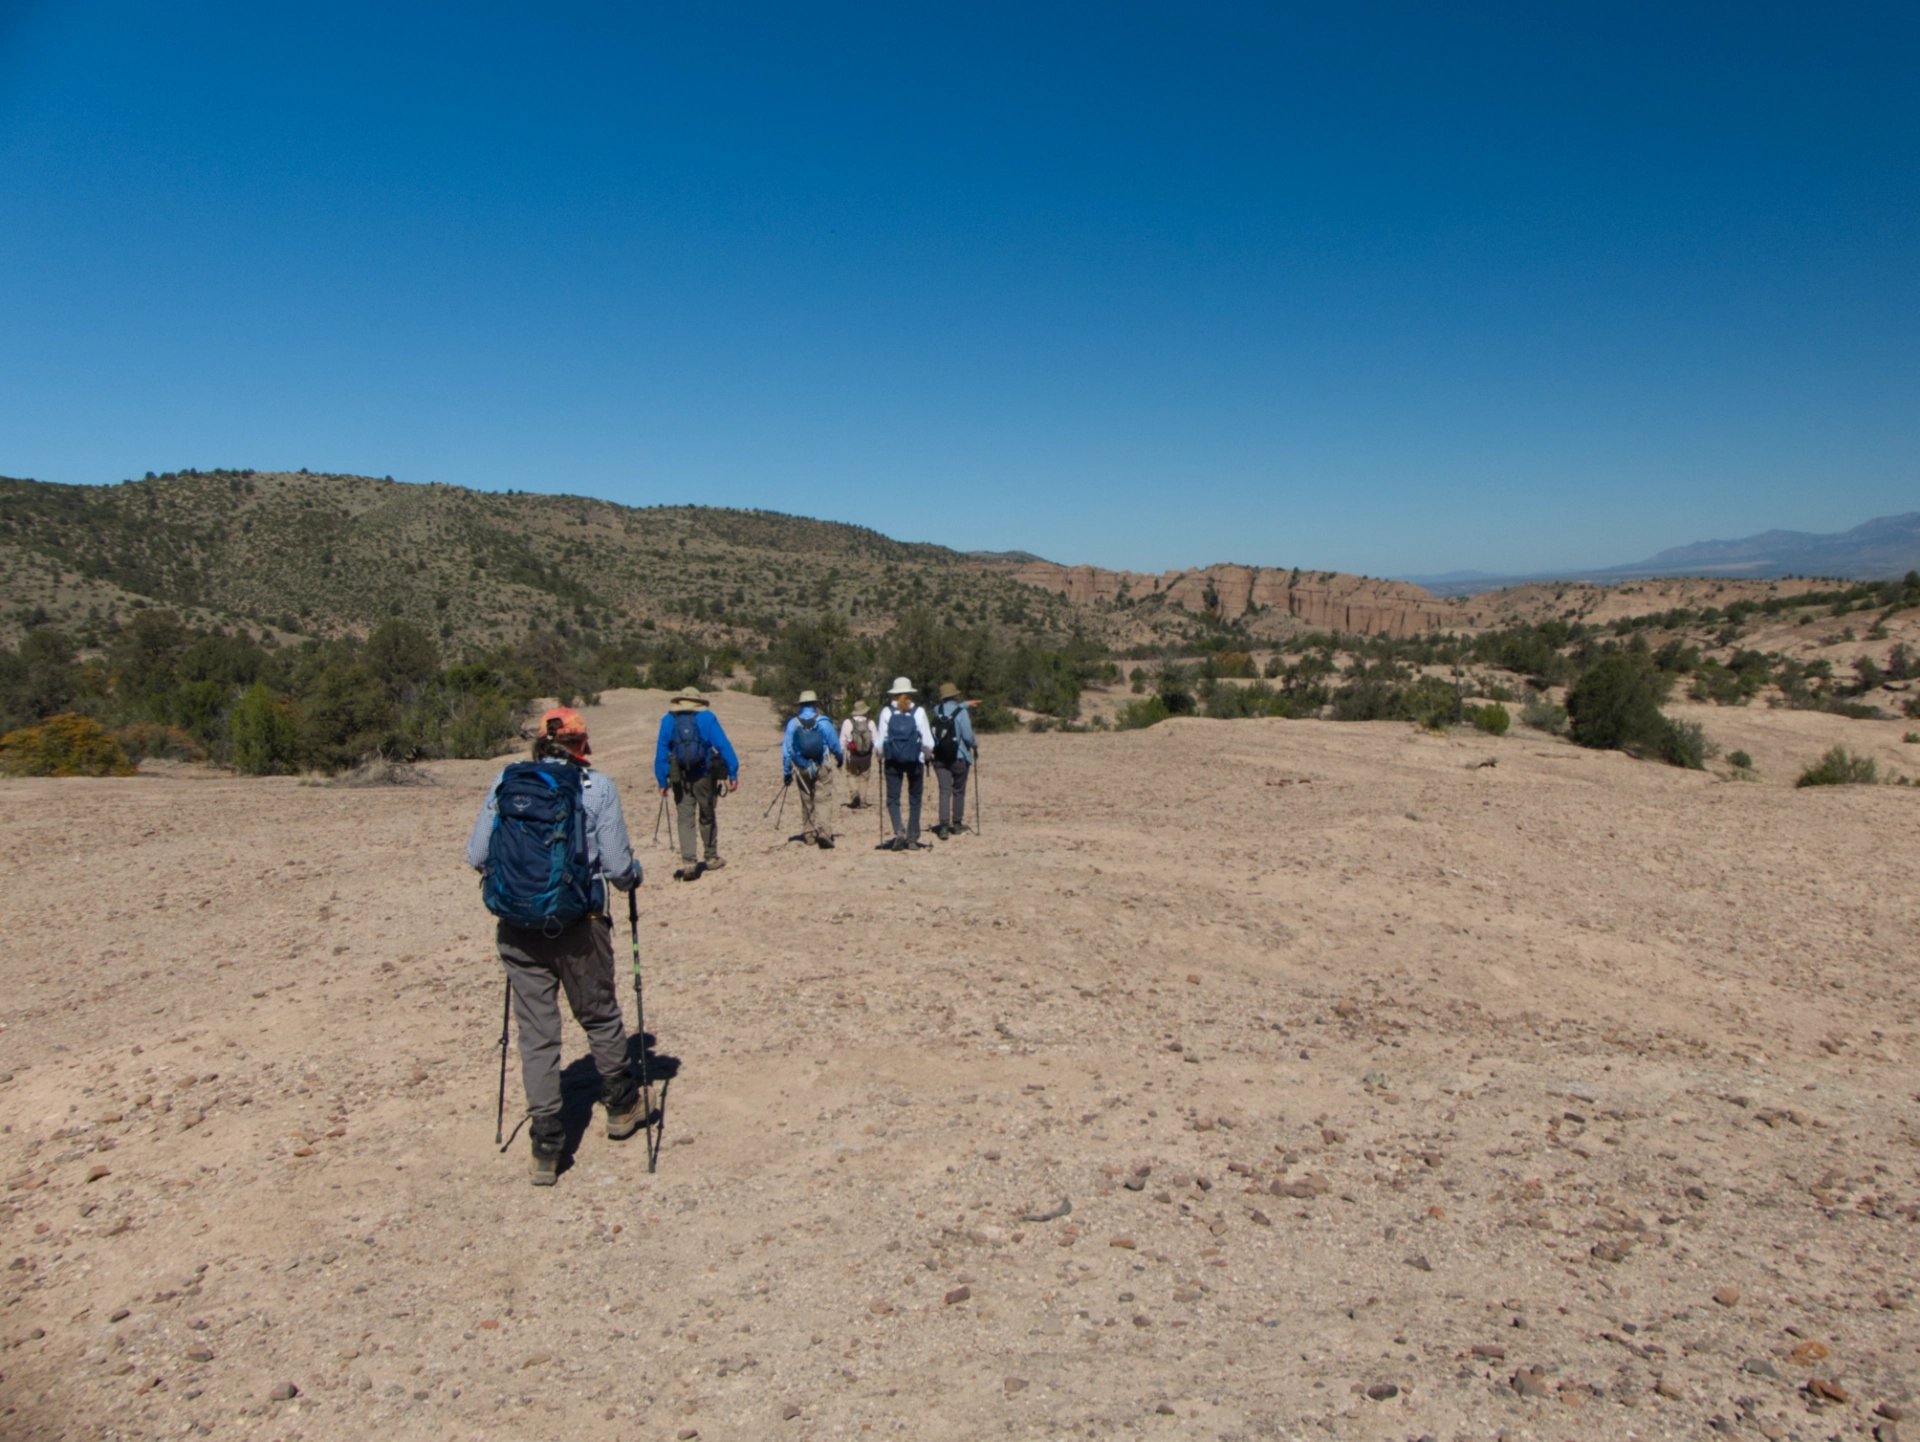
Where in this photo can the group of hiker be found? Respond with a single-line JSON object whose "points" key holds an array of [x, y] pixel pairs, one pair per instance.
{"points": [[551, 841]]}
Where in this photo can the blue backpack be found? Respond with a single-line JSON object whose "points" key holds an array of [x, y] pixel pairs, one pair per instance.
{"points": [[903, 739], [536, 873], [809, 745], [689, 750]]}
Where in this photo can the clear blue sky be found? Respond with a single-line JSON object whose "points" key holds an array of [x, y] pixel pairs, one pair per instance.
{"points": [[1382, 288]]}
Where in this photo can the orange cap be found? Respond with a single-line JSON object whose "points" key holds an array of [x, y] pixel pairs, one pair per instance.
{"points": [[563, 724]]}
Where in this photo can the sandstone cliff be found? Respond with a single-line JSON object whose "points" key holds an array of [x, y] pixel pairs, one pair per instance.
{"points": [[1313, 600]]}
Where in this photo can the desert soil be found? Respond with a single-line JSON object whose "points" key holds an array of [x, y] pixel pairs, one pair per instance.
{"points": [[1565, 1097]]}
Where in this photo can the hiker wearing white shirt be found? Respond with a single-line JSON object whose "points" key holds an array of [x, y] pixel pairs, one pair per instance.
{"points": [[857, 744], [906, 741]]}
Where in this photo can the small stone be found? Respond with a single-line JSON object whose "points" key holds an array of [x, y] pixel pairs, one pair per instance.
{"points": [[1667, 1389], [1259, 1218], [1135, 1184], [991, 1156], [199, 1354], [1124, 1243], [1218, 1228], [419, 1396], [1193, 978], [1727, 1296], [1611, 1251], [191, 1120], [958, 1295], [283, 1392], [1383, 1391], [1015, 1384], [1529, 1383], [789, 1412], [1883, 1409], [1807, 1353], [536, 1360], [1488, 1351], [1826, 1391], [1420, 1264], [1885, 1432], [1758, 1367], [120, 1316], [687, 1434], [1141, 1319], [880, 1308], [1331, 1137], [1165, 1409], [94, 1174]]}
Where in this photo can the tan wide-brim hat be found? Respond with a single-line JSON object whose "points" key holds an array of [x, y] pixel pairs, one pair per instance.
{"points": [[901, 687], [948, 691], [688, 700], [860, 708], [807, 698]]}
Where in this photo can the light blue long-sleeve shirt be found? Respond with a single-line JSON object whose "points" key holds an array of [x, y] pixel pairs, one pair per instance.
{"points": [[609, 853], [710, 731], [962, 728], [824, 724]]}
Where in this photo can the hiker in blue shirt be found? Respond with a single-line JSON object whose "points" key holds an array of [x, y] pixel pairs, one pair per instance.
{"points": [[954, 752], [810, 739], [694, 759]]}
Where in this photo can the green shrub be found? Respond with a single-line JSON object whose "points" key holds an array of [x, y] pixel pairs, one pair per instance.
{"points": [[265, 737], [1837, 768], [1616, 707], [1912, 738], [1236, 664], [1136, 715], [1431, 703], [1493, 719], [1740, 759], [66, 745]]}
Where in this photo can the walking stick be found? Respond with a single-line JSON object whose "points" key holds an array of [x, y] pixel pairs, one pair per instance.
{"points": [[506, 1012], [769, 811], [640, 1025], [976, 793], [657, 816]]}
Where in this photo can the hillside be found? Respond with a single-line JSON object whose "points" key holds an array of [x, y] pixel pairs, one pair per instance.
{"points": [[328, 555]]}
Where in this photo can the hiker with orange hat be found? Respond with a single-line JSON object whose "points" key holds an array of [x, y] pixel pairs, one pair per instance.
{"points": [[549, 840]]}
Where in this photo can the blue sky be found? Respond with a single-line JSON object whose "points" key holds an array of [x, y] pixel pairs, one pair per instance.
{"points": [[1387, 289]]}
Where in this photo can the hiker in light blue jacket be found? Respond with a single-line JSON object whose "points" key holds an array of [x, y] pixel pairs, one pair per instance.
{"points": [[809, 741], [954, 752]]}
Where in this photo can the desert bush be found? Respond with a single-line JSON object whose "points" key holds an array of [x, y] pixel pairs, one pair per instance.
{"points": [[1837, 768], [67, 745], [1687, 745], [1431, 703], [1615, 706], [1138, 678], [1493, 719], [265, 736], [1235, 664], [1136, 715], [150, 738], [1740, 759]]}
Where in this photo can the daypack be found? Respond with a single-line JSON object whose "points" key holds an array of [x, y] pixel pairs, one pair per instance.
{"points": [[946, 745], [903, 738], [809, 744], [860, 737], [689, 748], [536, 873]]}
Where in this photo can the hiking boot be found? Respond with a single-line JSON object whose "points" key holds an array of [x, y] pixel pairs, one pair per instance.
{"points": [[549, 1138], [626, 1111], [941, 832], [712, 863], [823, 841], [899, 843]]}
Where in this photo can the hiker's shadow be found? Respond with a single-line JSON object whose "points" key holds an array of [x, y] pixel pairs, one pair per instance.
{"points": [[580, 1089]]}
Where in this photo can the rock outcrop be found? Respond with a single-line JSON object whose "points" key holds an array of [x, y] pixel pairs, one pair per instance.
{"points": [[1317, 600]]}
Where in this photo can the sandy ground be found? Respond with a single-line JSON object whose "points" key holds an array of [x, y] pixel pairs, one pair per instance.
{"points": [[1565, 1097]]}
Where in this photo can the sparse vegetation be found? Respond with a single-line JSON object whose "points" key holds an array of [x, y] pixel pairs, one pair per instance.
{"points": [[1838, 768], [1741, 760], [66, 745], [1493, 719]]}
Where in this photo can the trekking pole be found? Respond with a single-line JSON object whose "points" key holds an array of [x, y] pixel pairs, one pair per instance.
{"points": [[640, 1026], [781, 817], [506, 1012], [976, 794], [658, 816], [770, 805]]}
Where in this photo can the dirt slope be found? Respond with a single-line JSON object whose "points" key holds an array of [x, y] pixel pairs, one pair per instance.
{"points": [[1450, 1039]]}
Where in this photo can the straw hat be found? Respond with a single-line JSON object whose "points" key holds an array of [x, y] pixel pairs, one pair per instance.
{"points": [[901, 687], [688, 700], [807, 698], [948, 691], [860, 708]]}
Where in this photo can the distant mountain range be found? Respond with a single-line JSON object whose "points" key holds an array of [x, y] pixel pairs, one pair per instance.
{"points": [[1880, 548]]}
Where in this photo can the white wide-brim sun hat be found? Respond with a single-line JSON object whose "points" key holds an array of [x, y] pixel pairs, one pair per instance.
{"points": [[901, 687]]}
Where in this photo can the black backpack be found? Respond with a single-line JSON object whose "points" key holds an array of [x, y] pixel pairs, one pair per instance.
{"points": [[946, 745], [689, 750]]}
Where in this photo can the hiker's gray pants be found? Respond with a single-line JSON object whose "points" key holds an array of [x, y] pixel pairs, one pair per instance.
{"points": [[810, 786], [953, 789], [693, 800], [916, 787], [580, 960]]}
